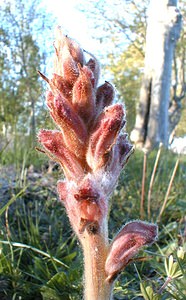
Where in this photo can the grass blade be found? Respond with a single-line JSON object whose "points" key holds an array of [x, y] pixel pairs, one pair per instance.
{"points": [[20, 245], [2, 210]]}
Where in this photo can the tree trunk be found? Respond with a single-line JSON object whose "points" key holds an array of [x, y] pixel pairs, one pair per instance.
{"points": [[163, 31]]}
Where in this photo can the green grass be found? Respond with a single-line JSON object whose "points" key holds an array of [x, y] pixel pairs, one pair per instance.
{"points": [[144, 279], [38, 252], [40, 257]]}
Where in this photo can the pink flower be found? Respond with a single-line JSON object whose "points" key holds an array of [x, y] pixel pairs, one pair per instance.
{"points": [[53, 143], [104, 135], [91, 147], [104, 96], [89, 140], [131, 238], [84, 95]]}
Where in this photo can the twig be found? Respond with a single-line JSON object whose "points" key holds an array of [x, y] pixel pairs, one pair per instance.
{"points": [[143, 185], [152, 181], [168, 280], [168, 190], [7, 223]]}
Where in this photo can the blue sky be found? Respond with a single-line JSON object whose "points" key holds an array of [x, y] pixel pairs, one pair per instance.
{"points": [[74, 22]]}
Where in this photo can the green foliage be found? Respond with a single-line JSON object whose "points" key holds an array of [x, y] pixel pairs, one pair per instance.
{"points": [[180, 130], [167, 258], [130, 186], [23, 52], [60, 284], [148, 293], [127, 75], [174, 274], [41, 259], [38, 253], [22, 155]]}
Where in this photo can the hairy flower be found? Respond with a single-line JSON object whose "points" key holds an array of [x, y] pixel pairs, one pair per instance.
{"points": [[91, 147], [104, 135], [131, 238], [89, 140]]}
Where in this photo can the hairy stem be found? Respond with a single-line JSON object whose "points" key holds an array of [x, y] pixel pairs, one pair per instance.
{"points": [[95, 247]]}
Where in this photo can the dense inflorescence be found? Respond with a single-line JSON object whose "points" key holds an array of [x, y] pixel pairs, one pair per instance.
{"points": [[92, 148], [89, 145]]}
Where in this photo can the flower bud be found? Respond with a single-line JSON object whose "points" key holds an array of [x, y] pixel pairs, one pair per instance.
{"points": [[59, 85], [131, 238], [93, 65], [72, 126], [91, 203], [83, 95], [65, 66], [104, 135], [75, 50], [125, 149], [88, 198], [53, 142], [85, 206], [68, 55], [87, 71], [104, 96], [120, 154]]}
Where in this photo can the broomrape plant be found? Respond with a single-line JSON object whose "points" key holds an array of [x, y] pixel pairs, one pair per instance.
{"points": [[91, 147]]}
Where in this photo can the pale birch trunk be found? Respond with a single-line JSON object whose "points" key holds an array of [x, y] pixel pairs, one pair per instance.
{"points": [[163, 31]]}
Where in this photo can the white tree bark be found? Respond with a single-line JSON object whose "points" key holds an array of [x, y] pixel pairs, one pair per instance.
{"points": [[163, 31]]}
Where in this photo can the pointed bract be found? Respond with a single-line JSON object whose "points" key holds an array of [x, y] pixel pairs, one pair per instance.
{"points": [[68, 56]]}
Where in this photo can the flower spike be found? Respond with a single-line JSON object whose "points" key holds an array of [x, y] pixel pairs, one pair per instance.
{"points": [[91, 146]]}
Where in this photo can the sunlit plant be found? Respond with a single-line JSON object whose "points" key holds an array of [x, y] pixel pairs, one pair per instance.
{"points": [[91, 147]]}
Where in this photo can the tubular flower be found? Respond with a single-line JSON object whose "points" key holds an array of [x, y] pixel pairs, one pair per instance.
{"points": [[131, 238]]}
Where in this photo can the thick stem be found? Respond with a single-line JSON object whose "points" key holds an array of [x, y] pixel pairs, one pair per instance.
{"points": [[95, 247]]}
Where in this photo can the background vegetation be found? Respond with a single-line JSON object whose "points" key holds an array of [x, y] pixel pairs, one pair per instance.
{"points": [[39, 255]]}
